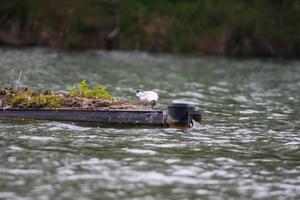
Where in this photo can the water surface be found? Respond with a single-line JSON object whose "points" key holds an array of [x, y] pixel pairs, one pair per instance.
{"points": [[248, 146]]}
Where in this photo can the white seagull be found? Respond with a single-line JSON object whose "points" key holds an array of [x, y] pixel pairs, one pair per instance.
{"points": [[147, 97]]}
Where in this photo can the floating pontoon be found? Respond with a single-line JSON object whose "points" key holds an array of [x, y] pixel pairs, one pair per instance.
{"points": [[177, 115]]}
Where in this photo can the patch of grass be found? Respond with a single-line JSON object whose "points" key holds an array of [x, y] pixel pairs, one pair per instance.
{"points": [[97, 92], [25, 98], [80, 96], [29, 99]]}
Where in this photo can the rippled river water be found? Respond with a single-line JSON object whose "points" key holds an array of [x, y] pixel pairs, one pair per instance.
{"points": [[248, 146]]}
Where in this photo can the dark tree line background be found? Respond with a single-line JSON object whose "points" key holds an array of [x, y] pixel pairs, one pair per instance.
{"points": [[265, 28]]}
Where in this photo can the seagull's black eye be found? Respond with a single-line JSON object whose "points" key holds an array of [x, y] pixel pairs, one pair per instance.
{"points": [[137, 91]]}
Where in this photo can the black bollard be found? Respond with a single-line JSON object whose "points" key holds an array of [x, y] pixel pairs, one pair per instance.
{"points": [[178, 115], [181, 115]]}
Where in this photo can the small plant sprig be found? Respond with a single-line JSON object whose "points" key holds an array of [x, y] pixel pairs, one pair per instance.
{"points": [[97, 92]]}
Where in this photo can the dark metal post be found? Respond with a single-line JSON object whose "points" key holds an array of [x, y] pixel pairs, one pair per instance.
{"points": [[181, 115]]}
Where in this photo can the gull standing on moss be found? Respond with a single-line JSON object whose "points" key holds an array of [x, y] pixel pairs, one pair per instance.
{"points": [[147, 97]]}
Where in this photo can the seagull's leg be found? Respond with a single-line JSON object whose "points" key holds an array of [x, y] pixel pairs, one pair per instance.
{"points": [[152, 103]]}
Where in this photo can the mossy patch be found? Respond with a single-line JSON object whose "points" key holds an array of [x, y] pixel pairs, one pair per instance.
{"points": [[80, 97], [36, 100]]}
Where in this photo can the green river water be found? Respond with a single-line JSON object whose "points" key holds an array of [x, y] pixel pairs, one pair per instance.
{"points": [[248, 146]]}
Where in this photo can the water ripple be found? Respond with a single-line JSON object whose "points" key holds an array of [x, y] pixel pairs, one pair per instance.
{"points": [[247, 146]]}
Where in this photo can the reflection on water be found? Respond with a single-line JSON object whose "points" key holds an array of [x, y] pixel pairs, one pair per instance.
{"points": [[247, 147]]}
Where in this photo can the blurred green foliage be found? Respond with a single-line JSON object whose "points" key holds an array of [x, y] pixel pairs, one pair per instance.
{"points": [[231, 27]]}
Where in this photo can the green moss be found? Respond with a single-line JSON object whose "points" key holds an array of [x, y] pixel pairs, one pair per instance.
{"points": [[33, 100], [97, 92], [26, 98], [47, 101], [18, 100]]}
